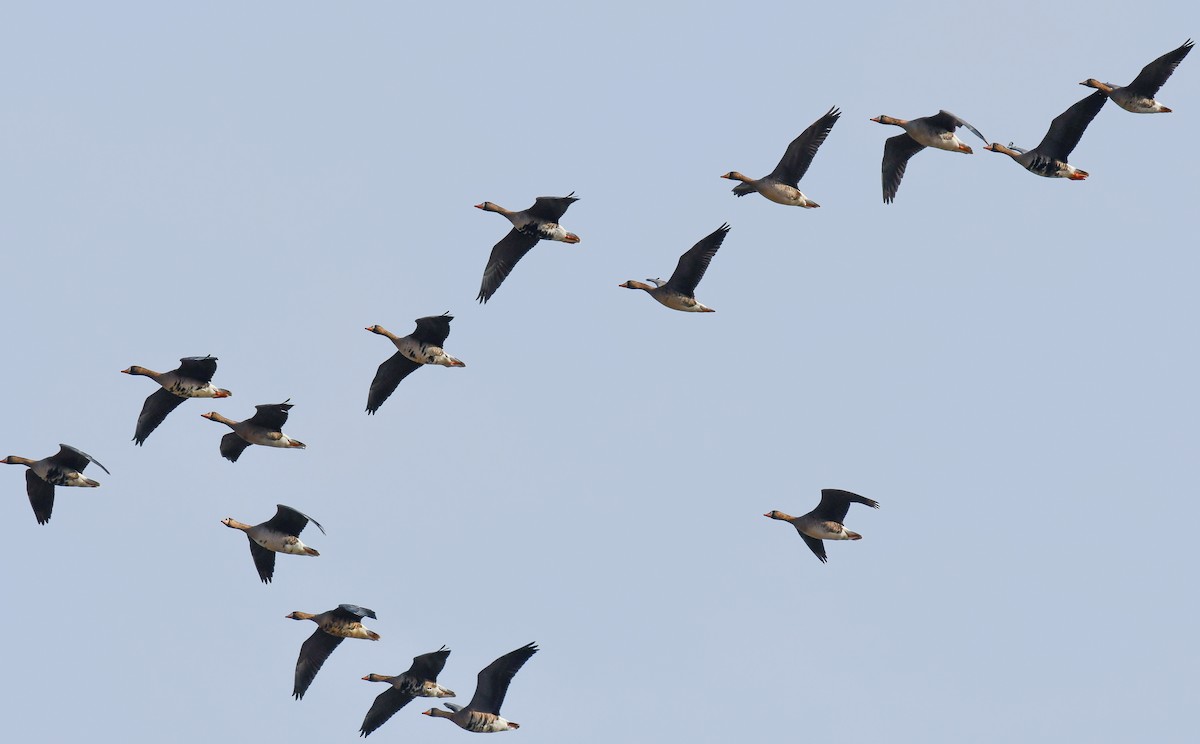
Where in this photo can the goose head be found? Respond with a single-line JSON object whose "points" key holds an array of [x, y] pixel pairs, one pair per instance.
{"points": [[632, 284]]}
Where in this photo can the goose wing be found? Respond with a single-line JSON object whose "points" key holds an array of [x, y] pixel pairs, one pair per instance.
{"points": [[313, 654], [271, 416], [692, 264], [198, 368], [800, 153], [41, 496], [75, 459], [433, 330], [429, 666], [505, 255], [352, 613], [1067, 128], [835, 503], [385, 706], [896, 153], [1153, 75], [394, 369], [154, 411], [950, 122], [290, 521], [264, 561], [816, 546], [551, 208], [232, 446], [493, 680]]}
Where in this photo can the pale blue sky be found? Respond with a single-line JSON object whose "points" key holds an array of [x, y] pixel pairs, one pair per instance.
{"points": [[1004, 362]]}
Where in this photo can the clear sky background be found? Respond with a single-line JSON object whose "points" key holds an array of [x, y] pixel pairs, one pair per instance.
{"points": [[1006, 363]]}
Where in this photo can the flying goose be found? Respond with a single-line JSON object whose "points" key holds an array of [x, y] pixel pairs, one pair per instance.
{"points": [[191, 379], [539, 222], [780, 184], [482, 714], [825, 522], [279, 534], [679, 292], [928, 131], [422, 346], [1049, 158], [63, 468], [1138, 96], [419, 681], [261, 428], [332, 626]]}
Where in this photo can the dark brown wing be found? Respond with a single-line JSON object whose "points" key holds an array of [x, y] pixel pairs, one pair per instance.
{"points": [[816, 546], [154, 411], [41, 496], [394, 369], [434, 329], [289, 521], [198, 368], [352, 613], [429, 666], [385, 706], [492, 683], [313, 654], [1068, 127], [74, 459], [271, 416], [896, 152], [551, 208], [505, 255], [264, 561], [803, 149], [232, 446], [950, 122], [692, 264], [835, 503], [1153, 75]]}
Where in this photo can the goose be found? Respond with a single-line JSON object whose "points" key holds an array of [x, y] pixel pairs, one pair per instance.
{"points": [[482, 714], [279, 534], [679, 292], [1049, 158], [539, 222], [1138, 96], [928, 131], [422, 346], [825, 522], [780, 184], [191, 379], [419, 681], [332, 627], [63, 468], [261, 428]]}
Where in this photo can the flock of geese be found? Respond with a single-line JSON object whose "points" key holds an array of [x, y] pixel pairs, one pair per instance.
{"points": [[281, 533]]}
